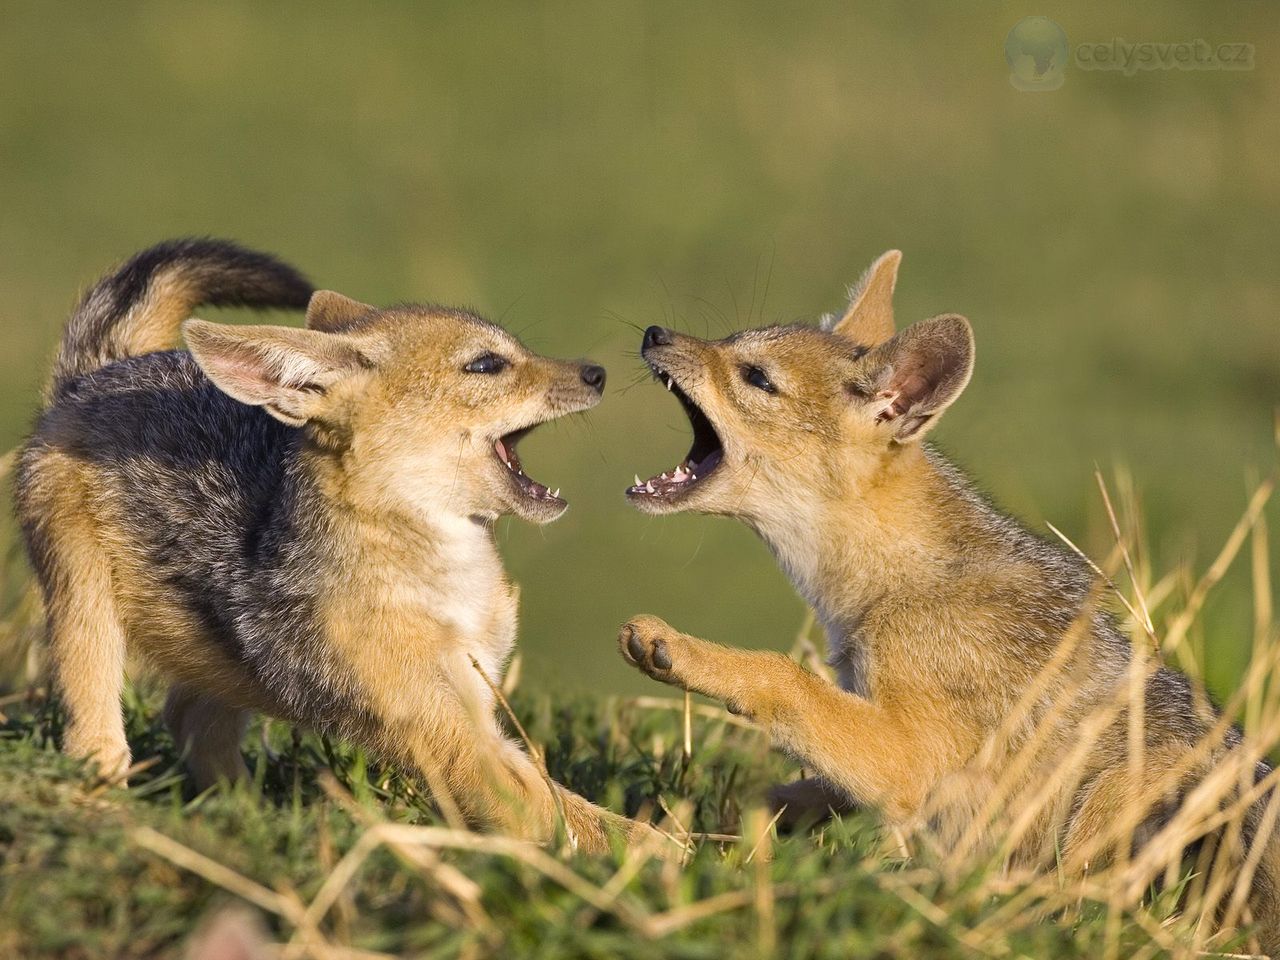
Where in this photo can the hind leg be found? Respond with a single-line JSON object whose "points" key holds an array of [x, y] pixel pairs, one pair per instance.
{"points": [[88, 663], [1119, 808], [807, 803], [208, 732], [87, 650]]}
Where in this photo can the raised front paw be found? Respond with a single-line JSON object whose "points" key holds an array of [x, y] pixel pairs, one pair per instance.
{"points": [[653, 647]]}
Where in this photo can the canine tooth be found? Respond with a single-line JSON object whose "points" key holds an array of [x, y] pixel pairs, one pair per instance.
{"points": [[664, 476], [557, 493], [693, 476], [638, 479], [648, 487]]}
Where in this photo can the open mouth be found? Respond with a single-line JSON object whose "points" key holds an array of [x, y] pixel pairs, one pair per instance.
{"points": [[702, 460], [505, 448]]}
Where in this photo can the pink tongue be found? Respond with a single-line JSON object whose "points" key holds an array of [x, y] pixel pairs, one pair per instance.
{"points": [[502, 451]]}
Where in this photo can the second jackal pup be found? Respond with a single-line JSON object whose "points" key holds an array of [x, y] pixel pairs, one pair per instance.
{"points": [[294, 521], [957, 638]]}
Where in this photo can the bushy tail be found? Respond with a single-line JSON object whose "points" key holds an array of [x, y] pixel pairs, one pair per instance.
{"points": [[139, 308]]}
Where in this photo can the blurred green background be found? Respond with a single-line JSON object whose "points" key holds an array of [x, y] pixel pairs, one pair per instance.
{"points": [[577, 168]]}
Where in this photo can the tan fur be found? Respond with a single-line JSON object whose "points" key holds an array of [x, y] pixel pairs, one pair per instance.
{"points": [[869, 319], [170, 298], [940, 613], [87, 638]]}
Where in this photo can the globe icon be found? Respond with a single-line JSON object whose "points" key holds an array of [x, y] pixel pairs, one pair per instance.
{"points": [[1036, 49]]}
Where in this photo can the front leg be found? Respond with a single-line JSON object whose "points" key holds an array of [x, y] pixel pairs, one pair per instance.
{"points": [[872, 754], [473, 770], [654, 648]]}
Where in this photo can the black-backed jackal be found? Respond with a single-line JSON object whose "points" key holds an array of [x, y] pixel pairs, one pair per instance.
{"points": [[967, 651], [294, 521]]}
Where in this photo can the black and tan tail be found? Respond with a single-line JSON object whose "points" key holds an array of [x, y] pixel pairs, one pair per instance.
{"points": [[139, 308]]}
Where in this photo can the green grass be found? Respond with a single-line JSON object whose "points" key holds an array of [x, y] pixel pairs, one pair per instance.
{"points": [[78, 878]]}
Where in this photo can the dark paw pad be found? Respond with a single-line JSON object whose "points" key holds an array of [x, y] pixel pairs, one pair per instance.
{"points": [[635, 646], [647, 650]]}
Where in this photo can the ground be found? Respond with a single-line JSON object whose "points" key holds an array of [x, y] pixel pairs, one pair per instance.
{"points": [[104, 872]]}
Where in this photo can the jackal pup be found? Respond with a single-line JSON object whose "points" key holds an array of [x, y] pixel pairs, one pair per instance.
{"points": [[950, 627], [294, 521]]}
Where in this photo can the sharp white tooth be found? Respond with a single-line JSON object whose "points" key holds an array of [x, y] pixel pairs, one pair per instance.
{"points": [[693, 476], [670, 383], [664, 476], [557, 493], [648, 487], [637, 479]]}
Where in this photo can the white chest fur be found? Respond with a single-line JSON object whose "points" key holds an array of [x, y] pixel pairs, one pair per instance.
{"points": [[466, 591]]}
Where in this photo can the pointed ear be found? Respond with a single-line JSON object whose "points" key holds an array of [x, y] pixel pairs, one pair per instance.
{"points": [[286, 371], [920, 373], [333, 312], [869, 319]]}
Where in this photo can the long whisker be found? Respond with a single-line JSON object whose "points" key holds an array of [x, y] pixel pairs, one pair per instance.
{"points": [[768, 277], [508, 308]]}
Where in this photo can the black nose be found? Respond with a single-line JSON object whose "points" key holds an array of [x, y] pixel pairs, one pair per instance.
{"points": [[658, 337], [593, 376]]}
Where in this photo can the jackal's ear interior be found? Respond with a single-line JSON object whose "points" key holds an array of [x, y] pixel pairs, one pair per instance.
{"points": [[286, 371], [331, 312], [869, 320], [919, 373]]}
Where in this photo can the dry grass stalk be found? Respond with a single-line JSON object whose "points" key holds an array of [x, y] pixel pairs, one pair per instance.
{"points": [[1177, 631], [687, 727], [695, 709], [224, 877], [1103, 576], [1122, 541], [464, 891], [535, 754]]}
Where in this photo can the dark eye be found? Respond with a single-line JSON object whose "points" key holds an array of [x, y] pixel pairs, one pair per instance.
{"points": [[756, 377], [487, 363]]}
